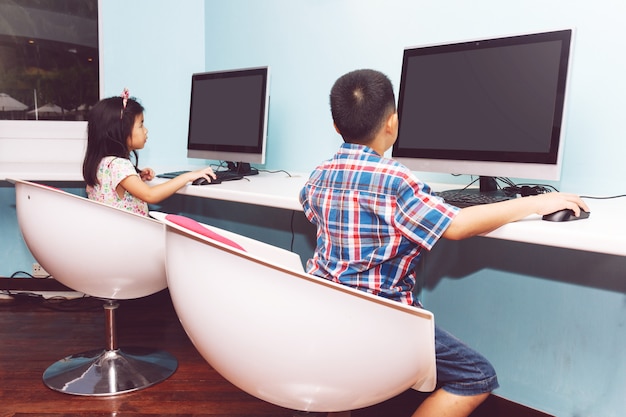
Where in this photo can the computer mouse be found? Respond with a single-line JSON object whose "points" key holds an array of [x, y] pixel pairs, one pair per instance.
{"points": [[565, 215], [203, 181]]}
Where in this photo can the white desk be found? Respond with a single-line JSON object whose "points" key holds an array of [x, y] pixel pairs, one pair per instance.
{"points": [[604, 231], [265, 189]]}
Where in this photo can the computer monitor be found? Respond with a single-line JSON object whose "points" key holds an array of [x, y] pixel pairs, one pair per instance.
{"points": [[228, 117], [490, 107]]}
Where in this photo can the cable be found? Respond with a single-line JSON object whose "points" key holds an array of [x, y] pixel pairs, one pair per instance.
{"points": [[84, 303], [603, 198], [276, 172], [526, 189], [58, 303], [512, 189], [15, 274], [293, 231], [470, 184]]}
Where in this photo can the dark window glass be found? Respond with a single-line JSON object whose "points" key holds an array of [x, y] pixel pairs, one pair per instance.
{"points": [[49, 67]]}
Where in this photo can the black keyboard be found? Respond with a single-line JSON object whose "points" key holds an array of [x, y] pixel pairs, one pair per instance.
{"points": [[172, 174], [467, 198], [221, 175], [228, 175]]}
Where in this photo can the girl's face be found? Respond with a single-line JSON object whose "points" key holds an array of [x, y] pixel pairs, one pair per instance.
{"points": [[138, 135]]}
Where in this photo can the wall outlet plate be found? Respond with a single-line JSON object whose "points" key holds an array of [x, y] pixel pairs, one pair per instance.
{"points": [[39, 272]]}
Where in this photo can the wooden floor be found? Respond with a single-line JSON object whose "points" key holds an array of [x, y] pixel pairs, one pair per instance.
{"points": [[32, 337], [35, 334]]}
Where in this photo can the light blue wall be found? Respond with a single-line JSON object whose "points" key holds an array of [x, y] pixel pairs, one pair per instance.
{"points": [[152, 47], [551, 320], [309, 44]]}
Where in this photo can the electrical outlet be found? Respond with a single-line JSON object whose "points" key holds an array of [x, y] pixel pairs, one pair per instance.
{"points": [[38, 271]]}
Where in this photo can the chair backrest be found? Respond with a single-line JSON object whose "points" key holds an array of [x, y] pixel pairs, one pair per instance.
{"points": [[91, 247], [271, 254], [290, 338]]}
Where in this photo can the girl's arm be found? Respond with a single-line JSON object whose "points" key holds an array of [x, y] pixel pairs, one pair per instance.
{"points": [[157, 193]]}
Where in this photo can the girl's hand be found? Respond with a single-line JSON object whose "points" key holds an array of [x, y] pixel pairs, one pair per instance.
{"points": [[206, 173], [147, 174]]}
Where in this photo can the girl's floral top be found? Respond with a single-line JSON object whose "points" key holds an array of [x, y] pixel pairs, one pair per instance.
{"points": [[111, 171]]}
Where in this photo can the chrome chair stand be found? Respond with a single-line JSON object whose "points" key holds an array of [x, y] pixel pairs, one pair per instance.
{"points": [[111, 371]]}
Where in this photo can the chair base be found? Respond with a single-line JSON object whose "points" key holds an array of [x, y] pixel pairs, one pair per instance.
{"points": [[110, 372]]}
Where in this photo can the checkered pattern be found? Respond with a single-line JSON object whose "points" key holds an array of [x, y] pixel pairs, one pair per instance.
{"points": [[373, 219]]}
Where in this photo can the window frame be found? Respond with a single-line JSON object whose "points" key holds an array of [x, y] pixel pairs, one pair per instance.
{"points": [[36, 149]]}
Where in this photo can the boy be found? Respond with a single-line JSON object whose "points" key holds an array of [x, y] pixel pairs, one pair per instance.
{"points": [[374, 218]]}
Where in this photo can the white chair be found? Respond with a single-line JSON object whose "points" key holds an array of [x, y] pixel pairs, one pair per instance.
{"points": [[287, 337], [106, 253]]}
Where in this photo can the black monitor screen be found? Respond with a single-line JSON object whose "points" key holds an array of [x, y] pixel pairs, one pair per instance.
{"points": [[228, 114], [489, 100]]}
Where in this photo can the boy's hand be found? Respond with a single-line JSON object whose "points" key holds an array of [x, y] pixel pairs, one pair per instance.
{"points": [[551, 202]]}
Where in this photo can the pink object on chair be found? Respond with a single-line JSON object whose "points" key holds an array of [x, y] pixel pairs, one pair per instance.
{"points": [[196, 227]]}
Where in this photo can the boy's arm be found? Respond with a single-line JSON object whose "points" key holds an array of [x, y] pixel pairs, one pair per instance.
{"points": [[480, 219]]}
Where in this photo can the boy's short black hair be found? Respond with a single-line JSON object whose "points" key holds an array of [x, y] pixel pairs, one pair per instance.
{"points": [[360, 103]]}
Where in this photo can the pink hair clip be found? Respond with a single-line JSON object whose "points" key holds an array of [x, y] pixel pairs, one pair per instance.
{"points": [[125, 94]]}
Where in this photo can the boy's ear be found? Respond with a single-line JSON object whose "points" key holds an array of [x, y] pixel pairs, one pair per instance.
{"points": [[392, 122], [336, 128]]}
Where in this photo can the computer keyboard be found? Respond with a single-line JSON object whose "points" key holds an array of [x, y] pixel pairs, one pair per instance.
{"points": [[221, 175], [172, 174], [228, 175], [467, 198]]}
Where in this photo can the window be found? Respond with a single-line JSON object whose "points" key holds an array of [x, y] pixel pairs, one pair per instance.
{"points": [[49, 63], [49, 57]]}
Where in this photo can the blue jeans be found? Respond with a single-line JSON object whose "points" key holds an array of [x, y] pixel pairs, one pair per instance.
{"points": [[460, 369]]}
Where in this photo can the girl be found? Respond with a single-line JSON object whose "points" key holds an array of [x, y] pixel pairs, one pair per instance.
{"points": [[115, 130]]}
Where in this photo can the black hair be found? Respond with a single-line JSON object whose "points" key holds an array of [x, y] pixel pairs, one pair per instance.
{"points": [[108, 128], [360, 103]]}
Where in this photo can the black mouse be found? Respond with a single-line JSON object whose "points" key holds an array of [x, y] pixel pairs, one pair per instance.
{"points": [[565, 215], [203, 181]]}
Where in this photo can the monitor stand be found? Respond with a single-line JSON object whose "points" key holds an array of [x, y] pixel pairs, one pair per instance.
{"points": [[487, 186], [241, 168]]}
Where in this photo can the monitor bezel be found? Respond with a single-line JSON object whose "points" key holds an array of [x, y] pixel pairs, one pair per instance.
{"points": [[544, 165]]}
